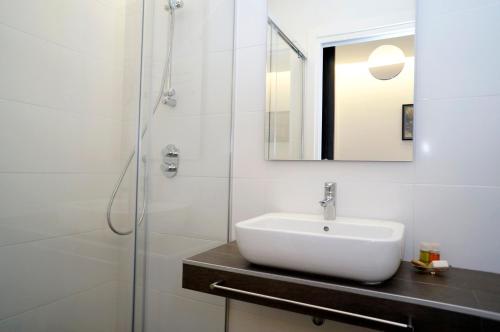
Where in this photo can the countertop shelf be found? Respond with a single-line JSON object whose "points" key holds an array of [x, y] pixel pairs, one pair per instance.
{"points": [[457, 300]]}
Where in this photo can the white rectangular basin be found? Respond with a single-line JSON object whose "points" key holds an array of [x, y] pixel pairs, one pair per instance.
{"points": [[365, 250]]}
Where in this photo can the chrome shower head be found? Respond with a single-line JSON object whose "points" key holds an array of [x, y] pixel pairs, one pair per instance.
{"points": [[174, 4]]}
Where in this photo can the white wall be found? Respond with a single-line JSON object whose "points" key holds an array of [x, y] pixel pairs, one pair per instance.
{"points": [[449, 194], [368, 110], [63, 115]]}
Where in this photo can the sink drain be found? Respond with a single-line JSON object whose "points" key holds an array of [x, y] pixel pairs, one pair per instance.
{"points": [[318, 321], [326, 228]]}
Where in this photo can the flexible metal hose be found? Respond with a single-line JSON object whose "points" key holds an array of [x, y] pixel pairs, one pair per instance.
{"points": [[166, 86]]}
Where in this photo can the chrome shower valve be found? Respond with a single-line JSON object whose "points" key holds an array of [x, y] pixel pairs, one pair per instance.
{"points": [[170, 161]]}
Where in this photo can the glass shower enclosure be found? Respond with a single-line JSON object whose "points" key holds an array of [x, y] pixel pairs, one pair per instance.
{"points": [[284, 96], [69, 116], [78, 81]]}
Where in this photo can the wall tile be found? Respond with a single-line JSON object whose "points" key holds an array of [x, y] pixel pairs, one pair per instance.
{"points": [[88, 27], [174, 313], [69, 204], [219, 25], [218, 83], [57, 77], [251, 24], [437, 8], [456, 56], [166, 253], [59, 274], [80, 142], [70, 314], [464, 220], [190, 206], [250, 73], [456, 141]]}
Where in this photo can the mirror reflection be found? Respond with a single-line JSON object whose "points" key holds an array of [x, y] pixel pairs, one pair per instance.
{"points": [[339, 89]]}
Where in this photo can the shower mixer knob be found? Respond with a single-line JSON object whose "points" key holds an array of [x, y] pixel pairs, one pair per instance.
{"points": [[170, 151], [169, 167]]}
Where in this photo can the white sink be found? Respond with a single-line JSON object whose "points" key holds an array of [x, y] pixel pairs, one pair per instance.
{"points": [[365, 250]]}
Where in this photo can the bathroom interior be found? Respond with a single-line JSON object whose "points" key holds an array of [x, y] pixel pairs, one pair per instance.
{"points": [[249, 165]]}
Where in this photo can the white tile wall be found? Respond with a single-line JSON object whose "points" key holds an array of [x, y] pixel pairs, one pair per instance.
{"points": [[166, 255], [448, 71], [169, 312], [59, 273], [65, 123], [457, 180], [66, 313], [456, 141], [189, 214], [449, 194], [89, 145], [464, 219]]}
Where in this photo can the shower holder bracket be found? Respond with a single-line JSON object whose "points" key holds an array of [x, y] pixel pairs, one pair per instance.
{"points": [[174, 4], [170, 98]]}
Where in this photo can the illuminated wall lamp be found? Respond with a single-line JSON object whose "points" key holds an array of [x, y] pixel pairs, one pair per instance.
{"points": [[386, 62]]}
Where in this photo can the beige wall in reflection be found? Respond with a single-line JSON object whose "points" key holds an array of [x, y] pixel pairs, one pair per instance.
{"points": [[367, 110]]}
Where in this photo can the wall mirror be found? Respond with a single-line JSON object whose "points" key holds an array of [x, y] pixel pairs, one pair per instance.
{"points": [[340, 80]]}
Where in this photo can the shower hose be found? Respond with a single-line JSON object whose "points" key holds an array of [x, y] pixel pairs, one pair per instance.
{"points": [[165, 88]]}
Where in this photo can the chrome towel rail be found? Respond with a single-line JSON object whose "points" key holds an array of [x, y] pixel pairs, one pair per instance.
{"points": [[217, 285]]}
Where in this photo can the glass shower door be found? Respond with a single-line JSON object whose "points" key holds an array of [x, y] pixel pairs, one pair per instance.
{"points": [[284, 98], [69, 118], [188, 212]]}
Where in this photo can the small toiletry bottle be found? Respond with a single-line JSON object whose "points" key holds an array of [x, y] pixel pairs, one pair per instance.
{"points": [[434, 253], [425, 252]]}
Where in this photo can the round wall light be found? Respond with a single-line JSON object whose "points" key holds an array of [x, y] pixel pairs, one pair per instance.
{"points": [[386, 62]]}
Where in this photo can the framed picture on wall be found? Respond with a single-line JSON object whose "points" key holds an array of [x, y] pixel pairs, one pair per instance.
{"points": [[407, 125]]}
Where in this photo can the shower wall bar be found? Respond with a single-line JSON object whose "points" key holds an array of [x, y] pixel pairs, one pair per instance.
{"points": [[165, 96]]}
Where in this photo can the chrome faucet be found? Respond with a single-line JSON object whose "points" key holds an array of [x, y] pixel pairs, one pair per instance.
{"points": [[328, 203]]}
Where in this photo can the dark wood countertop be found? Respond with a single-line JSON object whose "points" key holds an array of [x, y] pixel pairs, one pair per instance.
{"points": [[461, 291]]}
